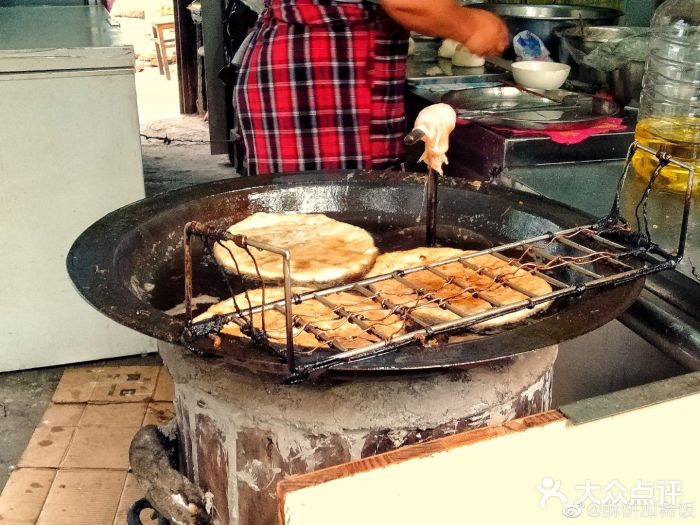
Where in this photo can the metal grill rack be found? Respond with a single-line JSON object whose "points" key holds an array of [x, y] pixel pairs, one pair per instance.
{"points": [[564, 259]]}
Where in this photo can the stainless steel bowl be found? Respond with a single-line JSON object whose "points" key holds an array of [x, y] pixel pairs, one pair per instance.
{"points": [[586, 39], [577, 42], [625, 83], [544, 20]]}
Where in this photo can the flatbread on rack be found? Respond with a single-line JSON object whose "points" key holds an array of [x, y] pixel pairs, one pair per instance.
{"points": [[324, 251], [459, 290], [313, 312]]}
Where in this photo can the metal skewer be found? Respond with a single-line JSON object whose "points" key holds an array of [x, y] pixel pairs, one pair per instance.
{"points": [[431, 192], [431, 208]]}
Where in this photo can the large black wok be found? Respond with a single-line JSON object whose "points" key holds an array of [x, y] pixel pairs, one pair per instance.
{"points": [[129, 264]]}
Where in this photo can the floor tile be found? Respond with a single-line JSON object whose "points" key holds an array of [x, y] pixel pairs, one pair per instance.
{"points": [[24, 495], [83, 497], [62, 415], [132, 493], [47, 447], [76, 385], [99, 447], [125, 384], [165, 388], [114, 414], [159, 413]]}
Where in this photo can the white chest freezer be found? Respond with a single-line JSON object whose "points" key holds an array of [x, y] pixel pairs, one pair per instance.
{"points": [[69, 154]]}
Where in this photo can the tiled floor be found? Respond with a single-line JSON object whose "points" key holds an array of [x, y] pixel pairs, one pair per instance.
{"points": [[75, 469]]}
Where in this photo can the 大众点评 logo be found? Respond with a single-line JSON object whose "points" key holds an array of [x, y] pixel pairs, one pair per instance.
{"points": [[614, 500]]}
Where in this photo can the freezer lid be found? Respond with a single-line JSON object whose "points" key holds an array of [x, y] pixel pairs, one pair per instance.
{"points": [[59, 38]]}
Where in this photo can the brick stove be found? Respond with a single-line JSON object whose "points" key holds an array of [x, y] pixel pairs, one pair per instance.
{"points": [[242, 433]]}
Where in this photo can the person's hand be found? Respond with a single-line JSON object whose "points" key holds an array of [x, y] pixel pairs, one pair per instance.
{"points": [[486, 33], [480, 31]]}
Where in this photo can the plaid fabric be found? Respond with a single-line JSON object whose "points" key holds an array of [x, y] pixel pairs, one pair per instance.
{"points": [[322, 88]]}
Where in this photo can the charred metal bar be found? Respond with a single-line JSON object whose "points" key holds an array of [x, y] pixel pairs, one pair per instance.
{"points": [[322, 337], [467, 287], [496, 278], [389, 305], [614, 214], [217, 234], [571, 265], [623, 277], [428, 296], [431, 207], [550, 280], [201, 230], [289, 328], [605, 241], [686, 208], [585, 249], [353, 318], [663, 162], [215, 324]]}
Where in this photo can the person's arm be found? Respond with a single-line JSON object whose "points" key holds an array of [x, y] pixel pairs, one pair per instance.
{"points": [[482, 32]]}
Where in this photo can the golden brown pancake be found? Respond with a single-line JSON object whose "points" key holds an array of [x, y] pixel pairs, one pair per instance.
{"points": [[323, 251]]}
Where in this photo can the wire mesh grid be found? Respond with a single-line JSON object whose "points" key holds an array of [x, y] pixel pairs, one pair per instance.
{"points": [[318, 329]]}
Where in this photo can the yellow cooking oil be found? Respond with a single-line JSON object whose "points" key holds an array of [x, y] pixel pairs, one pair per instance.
{"points": [[677, 136]]}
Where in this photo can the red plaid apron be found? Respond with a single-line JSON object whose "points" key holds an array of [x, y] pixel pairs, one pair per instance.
{"points": [[322, 87]]}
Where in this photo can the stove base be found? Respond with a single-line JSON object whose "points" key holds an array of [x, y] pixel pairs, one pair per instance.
{"points": [[241, 434]]}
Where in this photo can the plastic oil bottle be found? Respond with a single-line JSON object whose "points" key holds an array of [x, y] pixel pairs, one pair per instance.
{"points": [[669, 112], [669, 120]]}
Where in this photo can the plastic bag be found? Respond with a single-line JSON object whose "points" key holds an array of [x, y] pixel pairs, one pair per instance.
{"points": [[610, 56], [528, 46]]}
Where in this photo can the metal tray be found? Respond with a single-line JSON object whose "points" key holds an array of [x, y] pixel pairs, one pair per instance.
{"points": [[536, 110]]}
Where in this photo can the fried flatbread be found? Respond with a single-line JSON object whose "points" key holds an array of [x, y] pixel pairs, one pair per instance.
{"points": [[460, 290], [324, 251], [312, 312]]}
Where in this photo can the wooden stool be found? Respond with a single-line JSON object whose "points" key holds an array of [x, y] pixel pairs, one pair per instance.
{"points": [[163, 42]]}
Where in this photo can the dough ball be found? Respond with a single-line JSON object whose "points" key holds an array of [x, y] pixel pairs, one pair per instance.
{"points": [[447, 49], [463, 58], [411, 46]]}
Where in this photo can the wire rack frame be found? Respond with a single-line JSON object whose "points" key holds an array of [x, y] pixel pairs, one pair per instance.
{"points": [[630, 256]]}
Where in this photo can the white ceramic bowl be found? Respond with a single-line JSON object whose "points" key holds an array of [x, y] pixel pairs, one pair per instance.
{"points": [[540, 75]]}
